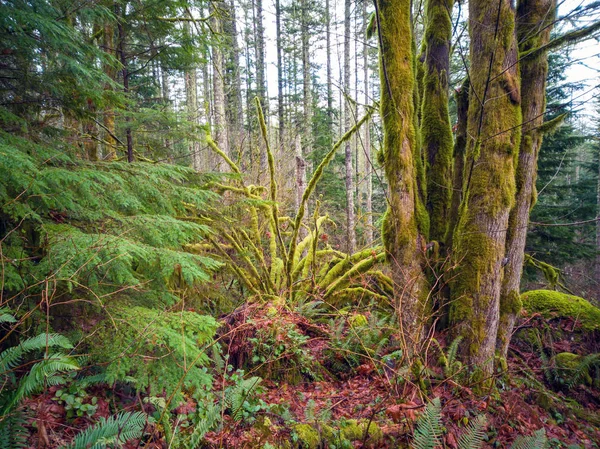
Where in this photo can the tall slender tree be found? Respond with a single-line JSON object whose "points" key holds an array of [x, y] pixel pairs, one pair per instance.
{"points": [[350, 212]]}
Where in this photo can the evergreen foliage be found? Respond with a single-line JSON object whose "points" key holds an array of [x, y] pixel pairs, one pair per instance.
{"points": [[115, 430]]}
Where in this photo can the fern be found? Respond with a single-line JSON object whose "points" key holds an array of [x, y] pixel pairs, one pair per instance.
{"points": [[473, 437], [43, 374], [537, 441], [11, 357], [429, 427], [115, 430], [583, 369], [236, 395]]}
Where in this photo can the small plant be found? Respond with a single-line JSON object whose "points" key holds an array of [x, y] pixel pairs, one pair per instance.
{"points": [[74, 399]]}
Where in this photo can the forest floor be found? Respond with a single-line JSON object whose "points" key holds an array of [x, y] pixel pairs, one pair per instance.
{"points": [[371, 404]]}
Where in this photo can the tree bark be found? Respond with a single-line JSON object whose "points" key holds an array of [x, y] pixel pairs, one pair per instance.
{"points": [[350, 214], [108, 117], [400, 234], [300, 172], [328, 63], [534, 25], [125, 75], [233, 84], [460, 147], [280, 107], [221, 137], [489, 189], [367, 135], [436, 132]]}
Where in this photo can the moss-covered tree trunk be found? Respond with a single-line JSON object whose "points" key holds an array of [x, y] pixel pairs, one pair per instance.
{"points": [[489, 187], [534, 24], [460, 147], [400, 234], [436, 131]]}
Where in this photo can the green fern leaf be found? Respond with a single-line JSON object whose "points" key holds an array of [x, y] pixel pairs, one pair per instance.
{"points": [[115, 430], [473, 437], [429, 427]]}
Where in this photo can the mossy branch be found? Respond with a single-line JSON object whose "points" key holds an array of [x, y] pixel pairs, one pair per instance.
{"points": [[273, 190], [313, 182], [568, 38], [550, 126], [213, 146]]}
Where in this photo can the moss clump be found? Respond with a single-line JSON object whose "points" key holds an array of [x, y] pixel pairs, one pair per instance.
{"points": [[354, 430], [552, 303], [567, 368], [349, 430], [308, 436]]}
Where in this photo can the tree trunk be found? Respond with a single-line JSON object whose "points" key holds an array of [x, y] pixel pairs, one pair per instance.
{"points": [[108, 117], [400, 233], [460, 147], [280, 109], [300, 172], [367, 135], [233, 84], [436, 132], [125, 74], [329, 78], [307, 94], [260, 74], [489, 189], [534, 24], [221, 137], [350, 215]]}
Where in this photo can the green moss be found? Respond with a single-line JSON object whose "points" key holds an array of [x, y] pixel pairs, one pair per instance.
{"points": [[552, 303], [358, 320], [354, 430], [567, 365], [511, 303], [308, 436]]}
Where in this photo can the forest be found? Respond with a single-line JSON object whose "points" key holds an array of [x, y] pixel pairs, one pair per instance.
{"points": [[299, 224]]}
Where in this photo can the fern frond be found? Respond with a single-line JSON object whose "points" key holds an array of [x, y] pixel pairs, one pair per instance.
{"points": [[429, 427], [473, 437], [208, 421], [115, 430], [41, 374], [536, 441], [583, 369], [11, 357]]}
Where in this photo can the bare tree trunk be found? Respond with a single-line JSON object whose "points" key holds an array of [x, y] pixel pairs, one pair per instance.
{"points": [[489, 189], [350, 214], [108, 117], [400, 233], [125, 74], [280, 109], [367, 136], [233, 85], [534, 24], [436, 132], [307, 94], [260, 73], [219, 114], [329, 79]]}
